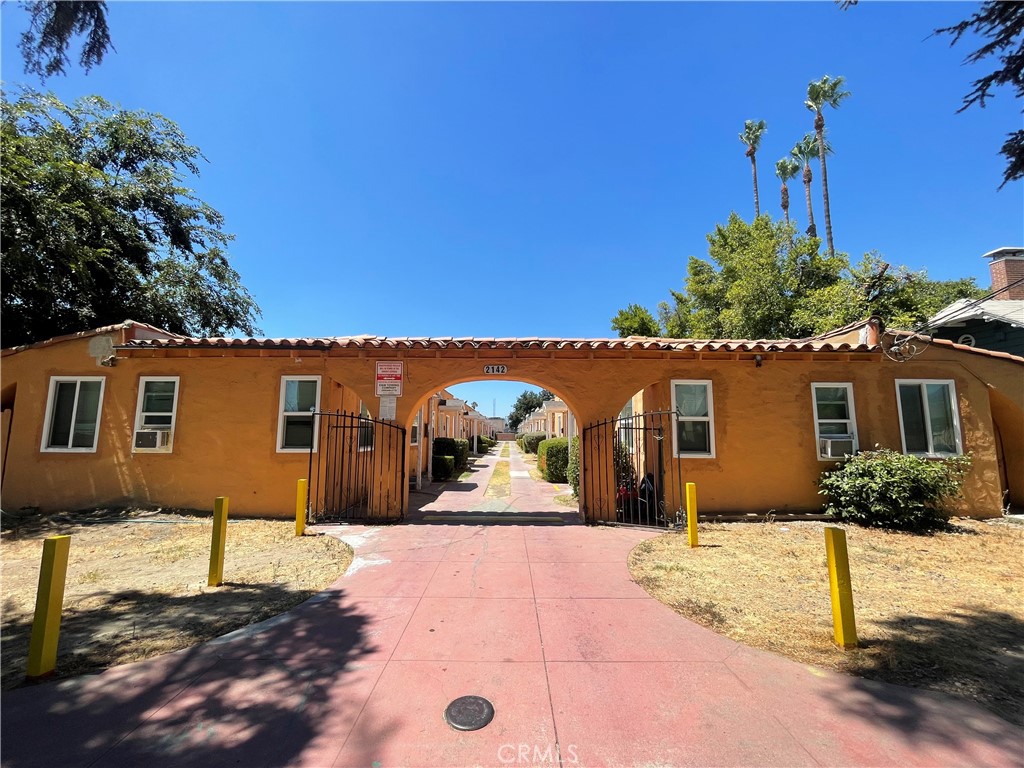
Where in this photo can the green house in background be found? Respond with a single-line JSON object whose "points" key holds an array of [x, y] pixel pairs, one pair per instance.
{"points": [[996, 323]]}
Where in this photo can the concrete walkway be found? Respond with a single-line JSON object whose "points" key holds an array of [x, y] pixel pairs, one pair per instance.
{"points": [[527, 498], [583, 668]]}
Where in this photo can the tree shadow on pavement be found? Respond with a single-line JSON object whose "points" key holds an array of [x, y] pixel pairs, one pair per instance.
{"points": [[260, 696], [975, 654]]}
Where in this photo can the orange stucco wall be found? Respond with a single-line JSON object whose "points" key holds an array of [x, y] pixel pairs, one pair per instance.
{"points": [[228, 402]]}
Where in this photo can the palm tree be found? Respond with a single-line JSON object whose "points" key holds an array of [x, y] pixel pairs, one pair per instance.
{"points": [[826, 92], [751, 136], [806, 150], [787, 168]]}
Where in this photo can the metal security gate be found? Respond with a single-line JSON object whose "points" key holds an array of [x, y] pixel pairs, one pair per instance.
{"points": [[356, 469], [630, 474]]}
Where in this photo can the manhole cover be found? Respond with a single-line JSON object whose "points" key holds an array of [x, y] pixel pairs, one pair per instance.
{"points": [[469, 713]]}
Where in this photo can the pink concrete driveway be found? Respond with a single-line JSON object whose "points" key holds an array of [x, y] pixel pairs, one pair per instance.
{"points": [[583, 668]]}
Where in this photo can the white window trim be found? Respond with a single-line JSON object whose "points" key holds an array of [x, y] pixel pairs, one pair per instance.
{"points": [[138, 413], [48, 414], [848, 386], [359, 429], [710, 419], [417, 423], [955, 407], [281, 414]]}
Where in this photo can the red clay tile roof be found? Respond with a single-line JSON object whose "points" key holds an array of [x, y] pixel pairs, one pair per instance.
{"points": [[405, 342], [126, 325]]}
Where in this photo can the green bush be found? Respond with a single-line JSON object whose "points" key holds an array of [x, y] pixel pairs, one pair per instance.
{"points": [[886, 489], [553, 459], [444, 446], [485, 443], [442, 467], [572, 471], [532, 440], [461, 454]]}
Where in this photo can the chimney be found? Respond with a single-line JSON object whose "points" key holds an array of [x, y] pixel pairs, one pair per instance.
{"points": [[1006, 267]]}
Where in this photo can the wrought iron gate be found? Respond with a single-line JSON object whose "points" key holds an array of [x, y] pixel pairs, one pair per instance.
{"points": [[630, 473], [356, 469]]}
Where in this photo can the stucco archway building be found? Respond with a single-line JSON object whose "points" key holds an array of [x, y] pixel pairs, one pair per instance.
{"points": [[753, 424]]}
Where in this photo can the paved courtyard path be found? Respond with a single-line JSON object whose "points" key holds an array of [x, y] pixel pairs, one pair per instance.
{"points": [[526, 498], [582, 667]]}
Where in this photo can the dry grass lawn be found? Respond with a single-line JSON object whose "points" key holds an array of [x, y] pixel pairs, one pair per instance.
{"points": [[943, 612], [136, 584], [500, 484]]}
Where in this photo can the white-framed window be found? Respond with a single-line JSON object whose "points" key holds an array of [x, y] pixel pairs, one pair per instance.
{"points": [[835, 420], [626, 426], [414, 435], [694, 433], [296, 424], [929, 419], [155, 414], [365, 435], [73, 409]]}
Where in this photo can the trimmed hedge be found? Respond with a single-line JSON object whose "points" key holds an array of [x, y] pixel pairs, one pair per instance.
{"points": [[455, 447], [461, 454], [572, 472], [553, 459], [486, 443], [442, 467], [532, 440]]}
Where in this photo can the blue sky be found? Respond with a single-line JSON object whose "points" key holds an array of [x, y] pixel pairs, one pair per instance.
{"points": [[527, 169]]}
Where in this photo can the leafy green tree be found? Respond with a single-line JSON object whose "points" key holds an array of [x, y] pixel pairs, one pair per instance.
{"points": [[827, 92], [754, 278], [52, 25], [787, 168], [753, 130], [98, 226], [527, 402], [635, 320], [761, 282], [901, 297], [1003, 24]]}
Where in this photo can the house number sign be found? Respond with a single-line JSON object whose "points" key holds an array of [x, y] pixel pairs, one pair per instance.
{"points": [[495, 369]]}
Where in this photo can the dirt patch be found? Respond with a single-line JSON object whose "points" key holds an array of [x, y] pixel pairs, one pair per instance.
{"points": [[136, 584], [504, 451], [567, 500], [943, 612]]}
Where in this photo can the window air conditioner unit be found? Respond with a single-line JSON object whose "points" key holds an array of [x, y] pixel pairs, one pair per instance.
{"points": [[836, 446], [153, 439]]}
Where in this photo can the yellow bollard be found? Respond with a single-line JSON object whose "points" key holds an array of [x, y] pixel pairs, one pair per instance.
{"points": [[691, 513], [843, 623], [220, 531], [300, 508], [42, 647]]}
